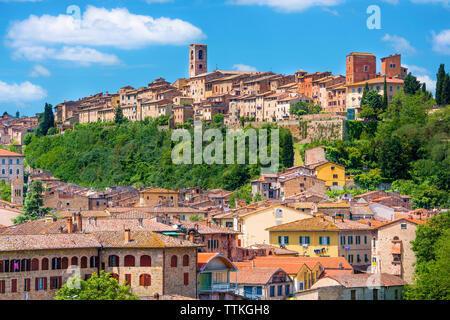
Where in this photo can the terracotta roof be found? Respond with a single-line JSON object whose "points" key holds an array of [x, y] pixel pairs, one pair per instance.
{"points": [[333, 205], [378, 80], [315, 223], [414, 221], [204, 229], [366, 279], [122, 224], [328, 263], [158, 190], [203, 258], [140, 239], [7, 153], [247, 275], [84, 213], [46, 241]]}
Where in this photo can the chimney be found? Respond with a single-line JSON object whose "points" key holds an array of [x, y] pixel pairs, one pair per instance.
{"points": [[191, 236], [79, 219], [127, 235], [69, 225]]}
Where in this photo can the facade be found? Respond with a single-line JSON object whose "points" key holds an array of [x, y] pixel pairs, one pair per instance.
{"points": [[158, 196], [360, 67], [391, 248], [355, 287], [198, 59], [11, 166], [332, 173], [392, 67]]}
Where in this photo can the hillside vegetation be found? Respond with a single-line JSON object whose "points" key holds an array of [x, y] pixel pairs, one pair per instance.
{"points": [[99, 155]]}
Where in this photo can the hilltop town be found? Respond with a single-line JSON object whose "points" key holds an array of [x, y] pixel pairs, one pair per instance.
{"points": [[300, 236]]}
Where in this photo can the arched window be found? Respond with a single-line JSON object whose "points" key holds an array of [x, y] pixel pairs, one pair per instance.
{"points": [[34, 264], [25, 265], [93, 262], [200, 54], [74, 261], [173, 261], [115, 276], [64, 263], [83, 262], [129, 261], [146, 261], [44, 264], [395, 238], [113, 261], [185, 260], [145, 280], [56, 263]]}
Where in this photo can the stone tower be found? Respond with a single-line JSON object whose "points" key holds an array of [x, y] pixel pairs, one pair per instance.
{"points": [[361, 67], [198, 59], [17, 191]]}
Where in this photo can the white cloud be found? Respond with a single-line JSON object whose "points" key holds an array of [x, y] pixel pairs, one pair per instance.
{"points": [[399, 44], [39, 71], [431, 84], [64, 37], [288, 5], [19, 93], [416, 69], [243, 67], [441, 42], [81, 55]]}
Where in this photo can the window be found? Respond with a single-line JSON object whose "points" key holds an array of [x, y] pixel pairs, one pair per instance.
{"points": [[93, 262], [280, 290], [34, 265], [358, 258], [272, 291], [373, 242], [128, 279], [18, 161], [403, 225], [396, 294], [56, 263], [146, 261], [18, 171], [390, 88], [74, 261], [113, 261], [353, 294], [26, 284], [324, 240], [83, 262], [145, 280], [342, 240], [129, 261], [335, 183], [173, 261], [366, 258], [335, 176], [14, 285], [358, 239], [41, 284], [55, 282], [375, 294], [185, 260], [115, 276], [283, 240], [2, 286], [10, 161], [287, 290], [365, 68], [365, 239], [44, 264], [3, 161], [186, 278], [64, 263], [350, 258]]}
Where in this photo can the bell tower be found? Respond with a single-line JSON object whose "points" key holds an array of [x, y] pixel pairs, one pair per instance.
{"points": [[198, 59], [17, 191]]}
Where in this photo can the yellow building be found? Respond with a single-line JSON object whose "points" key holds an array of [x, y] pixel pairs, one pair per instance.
{"points": [[158, 196], [253, 224], [312, 237], [332, 173]]}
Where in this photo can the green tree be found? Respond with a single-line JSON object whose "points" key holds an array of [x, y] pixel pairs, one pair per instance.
{"points": [[411, 85], [218, 119], [104, 287], [432, 249], [118, 116], [17, 114], [47, 120], [372, 106], [287, 149], [370, 180], [445, 94], [33, 206], [440, 81], [366, 90], [385, 96]]}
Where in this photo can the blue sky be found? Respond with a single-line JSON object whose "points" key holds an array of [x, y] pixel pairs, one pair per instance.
{"points": [[49, 55]]}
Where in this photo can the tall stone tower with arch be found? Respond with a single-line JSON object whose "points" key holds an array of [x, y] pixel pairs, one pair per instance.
{"points": [[17, 191], [198, 59]]}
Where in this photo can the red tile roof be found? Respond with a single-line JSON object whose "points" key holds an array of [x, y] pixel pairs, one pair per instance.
{"points": [[7, 153]]}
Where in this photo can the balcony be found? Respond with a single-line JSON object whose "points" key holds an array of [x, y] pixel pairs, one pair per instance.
{"points": [[217, 287]]}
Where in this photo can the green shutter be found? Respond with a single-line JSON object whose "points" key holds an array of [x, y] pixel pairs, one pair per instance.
{"points": [[300, 240], [279, 239], [307, 240], [328, 240], [320, 240], [286, 240]]}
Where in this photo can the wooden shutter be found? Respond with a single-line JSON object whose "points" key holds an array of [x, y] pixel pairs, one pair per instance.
{"points": [[1, 266], [45, 283], [14, 285], [36, 282], [186, 278], [320, 240], [300, 240]]}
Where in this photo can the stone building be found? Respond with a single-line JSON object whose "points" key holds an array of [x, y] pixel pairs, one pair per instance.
{"points": [[11, 165], [360, 67]]}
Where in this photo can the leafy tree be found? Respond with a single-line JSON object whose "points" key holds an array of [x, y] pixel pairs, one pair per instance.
{"points": [[33, 205], [95, 288], [17, 114], [411, 85], [372, 106], [432, 249], [5, 191], [118, 116], [369, 180], [243, 193], [393, 158], [218, 119], [28, 138], [440, 81]]}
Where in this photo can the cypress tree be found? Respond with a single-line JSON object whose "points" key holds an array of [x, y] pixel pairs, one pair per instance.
{"points": [[118, 118], [385, 96], [365, 92], [445, 94], [48, 119], [440, 81], [411, 84]]}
